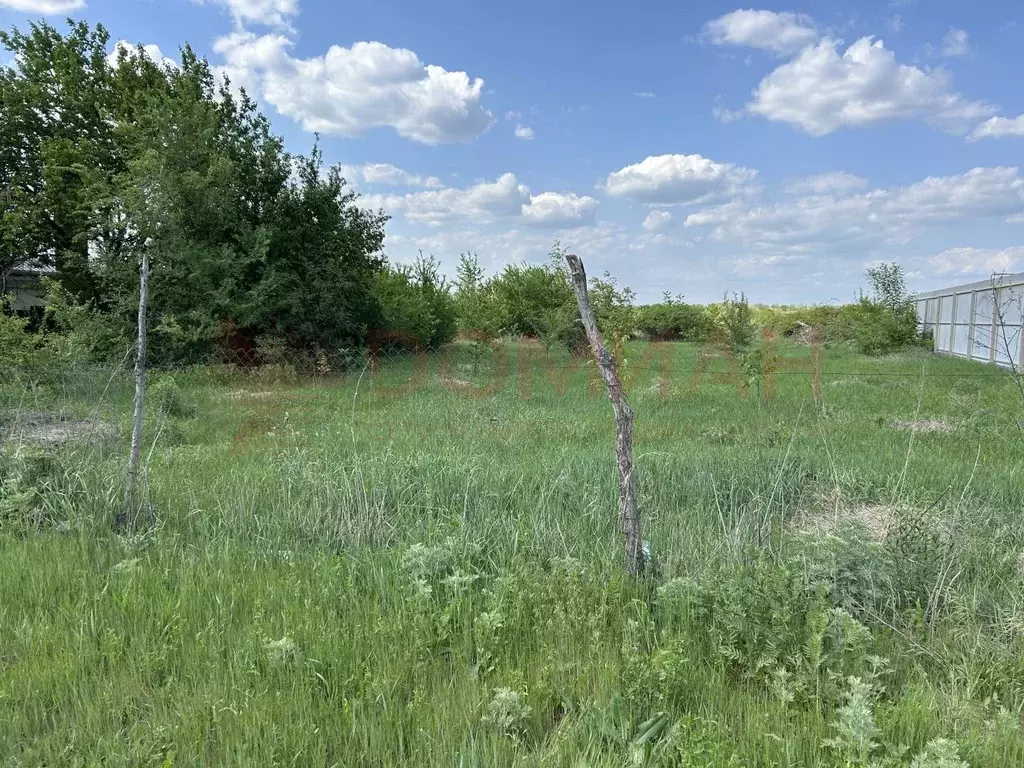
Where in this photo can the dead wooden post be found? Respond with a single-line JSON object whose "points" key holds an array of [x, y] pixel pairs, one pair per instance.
{"points": [[127, 516], [629, 514]]}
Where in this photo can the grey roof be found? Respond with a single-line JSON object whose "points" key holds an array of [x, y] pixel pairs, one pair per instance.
{"points": [[33, 268], [1001, 280]]}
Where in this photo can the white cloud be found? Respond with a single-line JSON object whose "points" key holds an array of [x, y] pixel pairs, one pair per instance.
{"points": [[780, 33], [645, 95], [824, 222], [826, 183], [273, 13], [524, 132], [152, 51], [349, 91], [726, 115], [679, 179], [391, 175], [657, 219], [481, 203], [955, 43], [822, 90], [48, 7], [505, 199], [977, 261], [600, 245], [555, 209], [895, 24], [999, 127]]}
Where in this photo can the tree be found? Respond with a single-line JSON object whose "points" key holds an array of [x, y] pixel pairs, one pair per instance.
{"points": [[885, 320], [56, 139], [245, 240], [474, 303]]}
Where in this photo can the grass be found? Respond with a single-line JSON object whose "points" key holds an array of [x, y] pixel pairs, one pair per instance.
{"points": [[364, 571]]}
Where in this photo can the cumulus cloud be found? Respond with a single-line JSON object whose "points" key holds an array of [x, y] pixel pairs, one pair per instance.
{"points": [[481, 203], [46, 7], [505, 199], [823, 90], [679, 179], [274, 13], [349, 91], [152, 51], [387, 174], [878, 215], [556, 209], [839, 182], [999, 127], [657, 219], [779, 33], [955, 43], [524, 132], [977, 261]]}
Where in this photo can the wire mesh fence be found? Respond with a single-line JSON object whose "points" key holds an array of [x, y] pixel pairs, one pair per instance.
{"points": [[63, 392]]}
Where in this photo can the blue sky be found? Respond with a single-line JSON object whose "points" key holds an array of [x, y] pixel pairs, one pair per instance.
{"points": [[689, 147]]}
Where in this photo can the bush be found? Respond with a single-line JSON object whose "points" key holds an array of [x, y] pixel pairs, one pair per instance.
{"points": [[529, 299], [564, 329], [17, 346], [674, 321], [734, 320], [886, 321], [170, 400], [879, 329], [767, 623], [417, 308]]}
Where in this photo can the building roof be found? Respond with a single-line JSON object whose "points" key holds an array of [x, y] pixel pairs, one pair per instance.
{"points": [[999, 280]]}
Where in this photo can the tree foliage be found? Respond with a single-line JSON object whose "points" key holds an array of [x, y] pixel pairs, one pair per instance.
{"points": [[101, 161]]}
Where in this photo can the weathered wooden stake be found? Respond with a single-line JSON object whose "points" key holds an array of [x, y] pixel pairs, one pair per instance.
{"points": [[127, 516], [629, 514]]}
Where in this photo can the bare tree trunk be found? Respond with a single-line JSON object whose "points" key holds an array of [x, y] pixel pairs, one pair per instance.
{"points": [[629, 514], [127, 516]]}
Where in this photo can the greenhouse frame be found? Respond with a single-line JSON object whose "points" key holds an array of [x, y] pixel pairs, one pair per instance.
{"points": [[978, 321]]}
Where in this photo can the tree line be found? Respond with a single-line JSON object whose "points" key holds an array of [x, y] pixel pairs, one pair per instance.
{"points": [[104, 159]]}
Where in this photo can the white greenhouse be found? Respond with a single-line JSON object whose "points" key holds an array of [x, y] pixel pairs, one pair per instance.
{"points": [[979, 321]]}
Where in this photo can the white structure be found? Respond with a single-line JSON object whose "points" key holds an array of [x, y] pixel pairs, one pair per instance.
{"points": [[979, 321]]}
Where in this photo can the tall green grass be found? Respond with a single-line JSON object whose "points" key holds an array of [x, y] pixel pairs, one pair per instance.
{"points": [[335, 572]]}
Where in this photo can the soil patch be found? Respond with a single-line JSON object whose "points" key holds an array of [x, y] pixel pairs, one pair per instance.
{"points": [[51, 430]]}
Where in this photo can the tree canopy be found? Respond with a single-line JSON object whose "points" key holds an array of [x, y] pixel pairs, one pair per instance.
{"points": [[102, 157]]}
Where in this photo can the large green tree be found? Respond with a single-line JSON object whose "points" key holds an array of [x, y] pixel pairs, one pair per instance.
{"points": [[103, 159]]}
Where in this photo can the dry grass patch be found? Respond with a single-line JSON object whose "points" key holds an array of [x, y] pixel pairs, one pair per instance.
{"points": [[53, 430], [923, 425], [827, 513]]}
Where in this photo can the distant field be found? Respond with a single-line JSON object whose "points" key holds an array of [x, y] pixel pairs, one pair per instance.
{"points": [[419, 565]]}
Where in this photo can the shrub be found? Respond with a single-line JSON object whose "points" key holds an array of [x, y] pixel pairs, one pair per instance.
{"points": [[528, 299], [564, 329], [17, 346], [508, 713], [735, 321], [674, 321], [170, 400], [765, 622], [417, 307], [887, 320]]}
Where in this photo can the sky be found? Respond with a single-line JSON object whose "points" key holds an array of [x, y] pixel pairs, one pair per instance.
{"points": [[689, 146]]}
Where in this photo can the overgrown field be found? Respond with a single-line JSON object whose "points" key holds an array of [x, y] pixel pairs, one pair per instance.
{"points": [[400, 568]]}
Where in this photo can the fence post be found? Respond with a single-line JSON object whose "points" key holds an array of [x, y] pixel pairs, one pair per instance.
{"points": [[629, 514], [127, 516]]}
